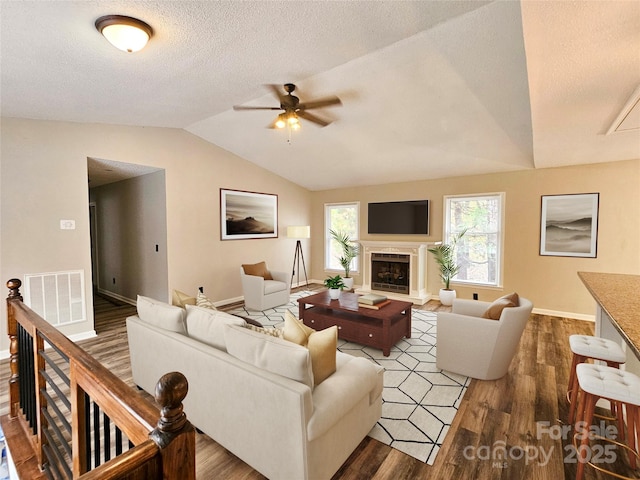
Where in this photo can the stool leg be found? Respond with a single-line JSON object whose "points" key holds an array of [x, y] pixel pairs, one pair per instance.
{"points": [[632, 433], [617, 411], [589, 402], [573, 386]]}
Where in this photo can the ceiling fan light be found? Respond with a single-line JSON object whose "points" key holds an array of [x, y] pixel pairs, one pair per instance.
{"points": [[125, 33], [293, 119], [295, 126], [280, 122]]}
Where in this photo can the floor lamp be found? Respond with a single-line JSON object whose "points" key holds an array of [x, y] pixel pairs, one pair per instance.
{"points": [[299, 232]]}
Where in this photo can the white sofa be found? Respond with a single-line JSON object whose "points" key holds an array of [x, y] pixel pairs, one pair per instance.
{"points": [[271, 416], [479, 347], [260, 294]]}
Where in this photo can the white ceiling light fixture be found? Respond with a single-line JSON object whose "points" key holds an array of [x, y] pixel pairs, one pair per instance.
{"points": [[125, 33]]}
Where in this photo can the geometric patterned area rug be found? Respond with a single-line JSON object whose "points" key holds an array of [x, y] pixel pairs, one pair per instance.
{"points": [[419, 400]]}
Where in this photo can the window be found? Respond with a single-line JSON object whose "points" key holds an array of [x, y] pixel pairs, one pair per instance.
{"points": [[479, 252], [341, 217]]}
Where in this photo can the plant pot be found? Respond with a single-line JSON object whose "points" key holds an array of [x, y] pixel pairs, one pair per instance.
{"points": [[334, 293], [348, 282], [447, 296]]}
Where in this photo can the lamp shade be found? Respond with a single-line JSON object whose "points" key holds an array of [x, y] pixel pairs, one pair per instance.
{"points": [[125, 33], [301, 231]]}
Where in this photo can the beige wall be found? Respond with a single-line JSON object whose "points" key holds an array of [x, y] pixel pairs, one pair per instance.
{"points": [[44, 179], [550, 282]]}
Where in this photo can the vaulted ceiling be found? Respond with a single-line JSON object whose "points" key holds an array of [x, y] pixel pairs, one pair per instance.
{"points": [[430, 89]]}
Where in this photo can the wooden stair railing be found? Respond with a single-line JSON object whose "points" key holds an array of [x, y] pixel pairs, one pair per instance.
{"points": [[76, 420]]}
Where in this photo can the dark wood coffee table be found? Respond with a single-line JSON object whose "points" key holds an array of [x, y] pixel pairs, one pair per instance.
{"points": [[374, 328]]}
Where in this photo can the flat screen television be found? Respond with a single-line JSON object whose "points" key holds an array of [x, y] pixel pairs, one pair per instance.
{"points": [[409, 217]]}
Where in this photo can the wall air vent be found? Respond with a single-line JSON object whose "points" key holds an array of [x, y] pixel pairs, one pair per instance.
{"points": [[57, 297], [629, 117]]}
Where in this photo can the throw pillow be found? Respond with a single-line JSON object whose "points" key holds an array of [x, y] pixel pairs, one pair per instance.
{"points": [[274, 332], [160, 314], [257, 269], [207, 326], [181, 299], [203, 301], [322, 345], [295, 331], [495, 309], [270, 353]]}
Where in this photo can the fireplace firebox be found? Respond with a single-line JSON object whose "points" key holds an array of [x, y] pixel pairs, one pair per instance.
{"points": [[390, 272]]}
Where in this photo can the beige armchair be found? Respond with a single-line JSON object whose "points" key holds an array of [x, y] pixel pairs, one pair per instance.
{"points": [[478, 347], [260, 294]]}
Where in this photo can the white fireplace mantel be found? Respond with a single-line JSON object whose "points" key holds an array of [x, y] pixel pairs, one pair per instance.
{"points": [[417, 252]]}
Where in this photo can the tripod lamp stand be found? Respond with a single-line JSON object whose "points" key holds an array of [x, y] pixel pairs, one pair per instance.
{"points": [[299, 232]]}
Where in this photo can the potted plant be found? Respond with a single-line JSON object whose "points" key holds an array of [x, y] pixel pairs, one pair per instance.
{"points": [[444, 255], [350, 250], [335, 285]]}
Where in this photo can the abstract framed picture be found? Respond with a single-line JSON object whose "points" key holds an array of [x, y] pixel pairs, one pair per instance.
{"points": [[248, 215], [569, 225]]}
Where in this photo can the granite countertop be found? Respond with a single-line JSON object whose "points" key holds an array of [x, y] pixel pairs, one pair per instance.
{"points": [[619, 296]]}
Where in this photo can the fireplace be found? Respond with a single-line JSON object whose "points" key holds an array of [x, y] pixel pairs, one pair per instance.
{"points": [[390, 272], [395, 269]]}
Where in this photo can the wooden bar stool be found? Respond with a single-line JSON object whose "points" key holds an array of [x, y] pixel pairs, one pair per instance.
{"points": [[619, 386], [585, 347]]}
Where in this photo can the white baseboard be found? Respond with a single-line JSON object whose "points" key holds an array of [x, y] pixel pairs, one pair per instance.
{"points": [[228, 301], [555, 313], [82, 336], [107, 293]]}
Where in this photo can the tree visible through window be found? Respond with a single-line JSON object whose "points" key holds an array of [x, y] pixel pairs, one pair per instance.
{"points": [[479, 252], [341, 217]]}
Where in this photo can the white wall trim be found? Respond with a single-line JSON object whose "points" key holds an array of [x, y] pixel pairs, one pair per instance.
{"points": [[82, 336], [107, 293], [555, 313]]}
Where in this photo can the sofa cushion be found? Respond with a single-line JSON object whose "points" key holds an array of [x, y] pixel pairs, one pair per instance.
{"points": [[273, 286], [322, 345], [258, 270], [270, 353], [207, 325], [160, 314], [203, 301], [495, 309], [355, 378], [181, 299]]}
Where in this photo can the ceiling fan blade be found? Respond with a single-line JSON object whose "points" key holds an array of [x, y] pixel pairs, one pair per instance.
{"points": [[277, 91], [313, 118], [321, 102], [243, 107]]}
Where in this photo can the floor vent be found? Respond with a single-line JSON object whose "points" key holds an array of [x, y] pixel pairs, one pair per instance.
{"points": [[57, 297]]}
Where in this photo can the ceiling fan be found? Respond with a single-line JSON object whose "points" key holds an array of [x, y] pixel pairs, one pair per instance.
{"points": [[293, 109]]}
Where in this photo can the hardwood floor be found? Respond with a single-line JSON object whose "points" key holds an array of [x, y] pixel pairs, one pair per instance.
{"points": [[493, 414]]}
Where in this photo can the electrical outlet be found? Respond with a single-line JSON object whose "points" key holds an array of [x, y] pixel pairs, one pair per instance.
{"points": [[475, 296], [67, 224]]}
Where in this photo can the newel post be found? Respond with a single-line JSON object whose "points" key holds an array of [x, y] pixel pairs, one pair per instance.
{"points": [[174, 434], [12, 331]]}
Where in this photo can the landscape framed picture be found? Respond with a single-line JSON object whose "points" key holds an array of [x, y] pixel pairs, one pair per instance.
{"points": [[248, 215], [569, 225]]}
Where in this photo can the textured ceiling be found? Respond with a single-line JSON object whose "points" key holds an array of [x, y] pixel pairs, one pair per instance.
{"points": [[430, 89]]}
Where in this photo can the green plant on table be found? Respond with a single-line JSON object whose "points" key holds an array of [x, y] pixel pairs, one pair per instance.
{"points": [[334, 282]]}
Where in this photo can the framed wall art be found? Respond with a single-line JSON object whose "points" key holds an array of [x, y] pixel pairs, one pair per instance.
{"points": [[569, 225], [248, 215]]}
